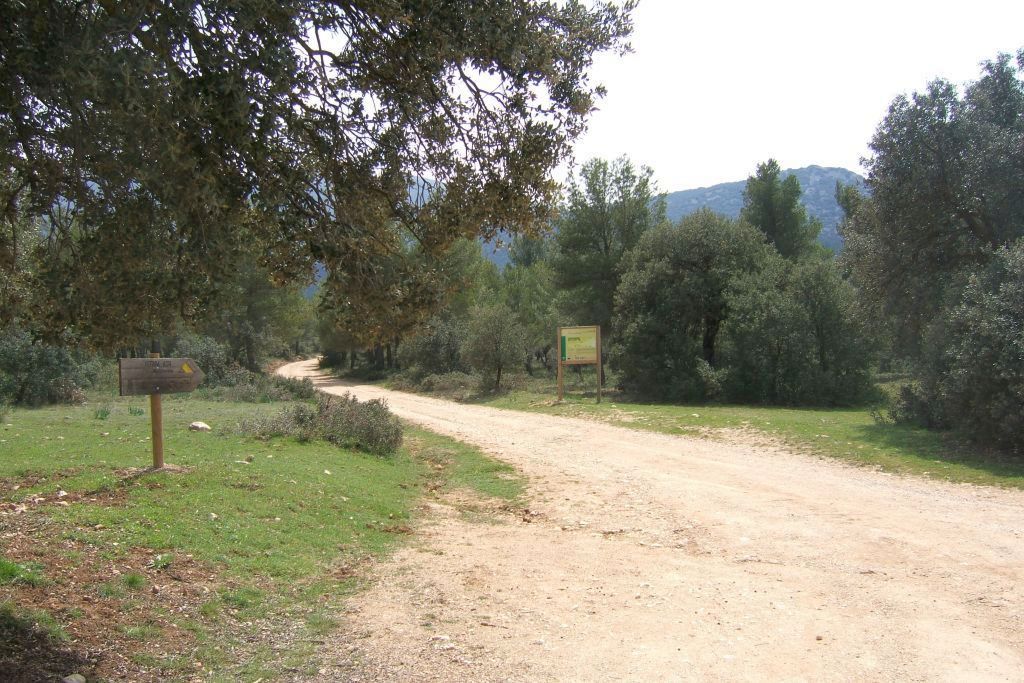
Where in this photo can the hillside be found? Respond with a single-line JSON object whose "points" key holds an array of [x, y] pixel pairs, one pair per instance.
{"points": [[818, 184]]}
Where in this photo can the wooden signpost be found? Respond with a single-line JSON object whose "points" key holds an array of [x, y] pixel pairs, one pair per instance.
{"points": [[579, 346], [156, 376]]}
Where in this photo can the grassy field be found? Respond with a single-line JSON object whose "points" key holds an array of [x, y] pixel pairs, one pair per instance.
{"points": [[852, 435], [232, 568]]}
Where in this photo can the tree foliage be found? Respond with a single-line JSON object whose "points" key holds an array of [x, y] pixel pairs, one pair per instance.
{"points": [[495, 344], [772, 205], [671, 303], [934, 250], [256, 318], [945, 179], [794, 337], [529, 292], [607, 210], [708, 310], [435, 349], [971, 375], [157, 140]]}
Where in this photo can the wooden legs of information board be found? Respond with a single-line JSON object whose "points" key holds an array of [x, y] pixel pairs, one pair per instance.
{"points": [[156, 416], [600, 366], [560, 371]]}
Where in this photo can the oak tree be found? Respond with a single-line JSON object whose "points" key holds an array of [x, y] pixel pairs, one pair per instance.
{"points": [[153, 140], [944, 180]]}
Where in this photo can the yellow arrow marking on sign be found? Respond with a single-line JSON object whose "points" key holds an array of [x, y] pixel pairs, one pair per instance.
{"points": [[186, 368]]}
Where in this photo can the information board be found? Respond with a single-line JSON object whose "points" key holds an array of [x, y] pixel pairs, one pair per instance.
{"points": [[579, 345]]}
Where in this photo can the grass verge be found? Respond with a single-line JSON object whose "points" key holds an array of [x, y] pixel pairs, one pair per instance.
{"points": [[229, 568]]}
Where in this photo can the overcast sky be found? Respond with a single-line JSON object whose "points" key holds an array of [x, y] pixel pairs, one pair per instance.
{"points": [[716, 86]]}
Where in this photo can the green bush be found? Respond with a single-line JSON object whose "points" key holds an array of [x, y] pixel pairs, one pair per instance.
{"points": [[971, 376], [244, 386], [33, 373], [450, 382], [341, 420], [436, 350], [212, 357]]}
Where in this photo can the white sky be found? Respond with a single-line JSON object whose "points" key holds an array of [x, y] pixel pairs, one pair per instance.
{"points": [[716, 86]]}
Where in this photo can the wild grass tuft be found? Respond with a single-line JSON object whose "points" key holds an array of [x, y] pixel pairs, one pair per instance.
{"points": [[29, 574]]}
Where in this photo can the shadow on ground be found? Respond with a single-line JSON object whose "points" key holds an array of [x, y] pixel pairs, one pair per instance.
{"points": [[28, 654], [944, 447]]}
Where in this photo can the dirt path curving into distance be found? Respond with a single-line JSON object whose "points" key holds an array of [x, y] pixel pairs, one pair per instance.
{"points": [[658, 558]]}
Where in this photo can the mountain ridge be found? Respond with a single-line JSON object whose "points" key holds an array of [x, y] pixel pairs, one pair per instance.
{"points": [[818, 185]]}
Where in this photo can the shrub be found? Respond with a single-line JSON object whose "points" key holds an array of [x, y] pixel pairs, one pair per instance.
{"points": [[33, 373], [449, 382], [369, 425], [212, 357], [972, 368], [341, 420], [251, 387], [436, 350]]}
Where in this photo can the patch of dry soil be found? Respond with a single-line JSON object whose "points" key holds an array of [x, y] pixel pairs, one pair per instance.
{"points": [[650, 557]]}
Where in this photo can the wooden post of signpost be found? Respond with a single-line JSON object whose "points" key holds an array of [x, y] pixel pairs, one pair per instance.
{"points": [[156, 413]]}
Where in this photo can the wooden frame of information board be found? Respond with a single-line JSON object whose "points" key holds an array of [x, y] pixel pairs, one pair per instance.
{"points": [[579, 345]]}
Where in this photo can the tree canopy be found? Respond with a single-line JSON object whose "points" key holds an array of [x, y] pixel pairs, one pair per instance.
{"points": [[945, 179], [935, 250], [148, 142], [771, 204], [671, 303], [608, 208]]}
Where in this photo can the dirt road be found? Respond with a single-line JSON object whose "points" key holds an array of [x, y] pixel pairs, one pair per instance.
{"points": [[666, 558]]}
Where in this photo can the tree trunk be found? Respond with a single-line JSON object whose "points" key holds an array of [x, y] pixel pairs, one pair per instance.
{"points": [[250, 355], [711, 326]]}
